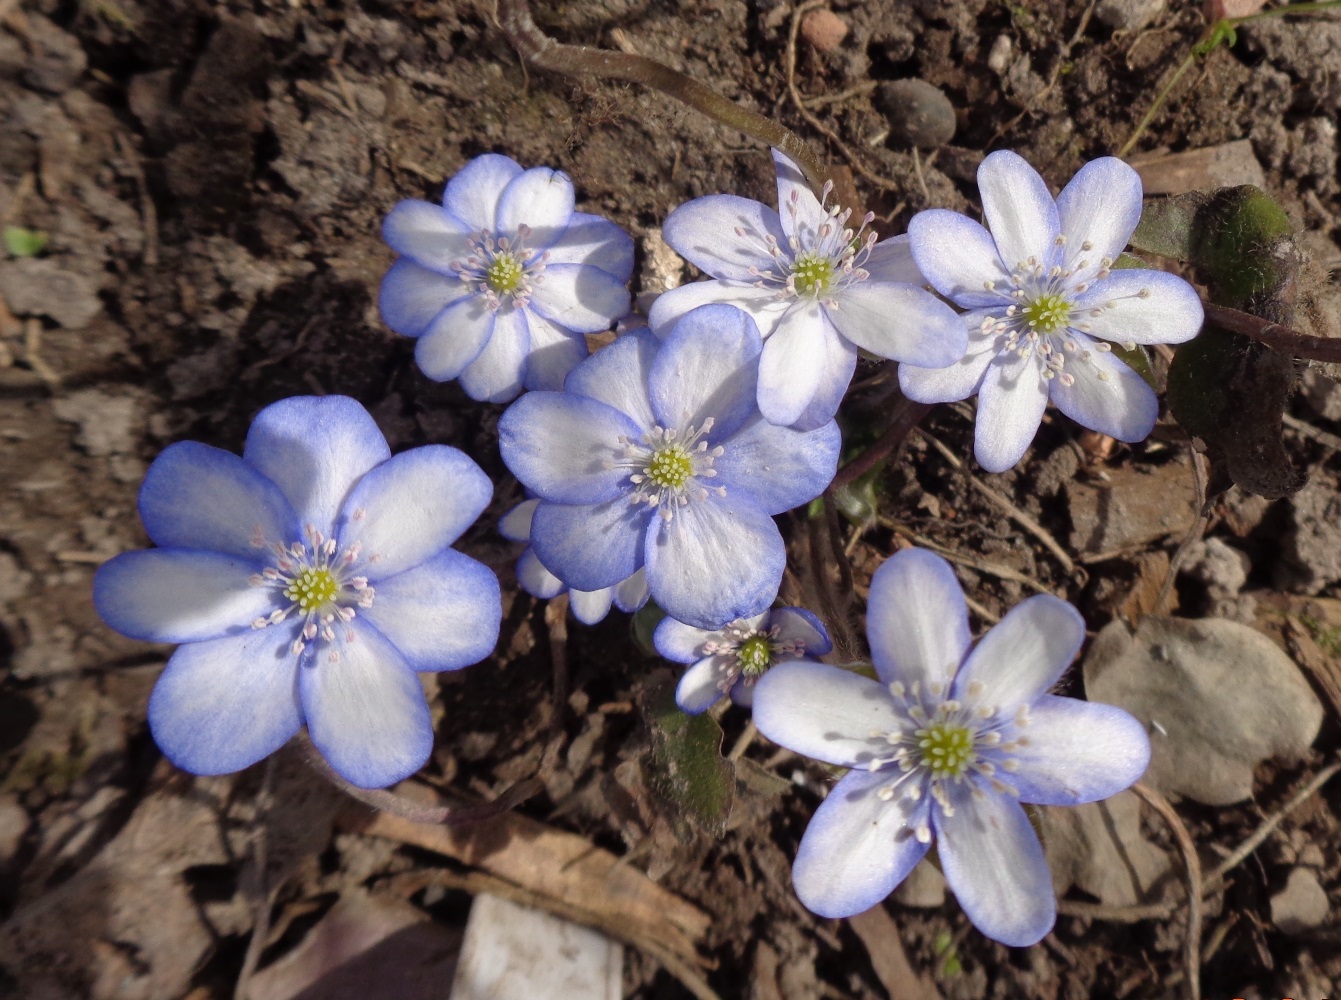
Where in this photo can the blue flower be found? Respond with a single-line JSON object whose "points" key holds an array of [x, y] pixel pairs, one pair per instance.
{"points": [[946, 745], [655, 455], [588, 606], [729, 660], [817, 290], [308, 582], [501, 282], [1043, 304]]}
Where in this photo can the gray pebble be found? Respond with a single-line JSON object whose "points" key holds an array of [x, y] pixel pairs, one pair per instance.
{"points": [[918, 113]]}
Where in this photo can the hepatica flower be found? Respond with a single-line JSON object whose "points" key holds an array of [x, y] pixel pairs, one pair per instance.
{"points": [[588, 606], [729, 660], [307, 581], [1045, 305], [945, 746], [501, 281], [817, 288], [655, 456]]}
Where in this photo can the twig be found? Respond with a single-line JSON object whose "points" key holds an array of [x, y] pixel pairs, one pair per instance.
{"points": [[1328, 441], [1273, 335], [462, 814], [556, 621], [543, 52], [264, 895], [148, 212], [865, 87], [1020, 517], [743, 741], [1192, 945], [991, 569], [906, 417], [32, 353]]}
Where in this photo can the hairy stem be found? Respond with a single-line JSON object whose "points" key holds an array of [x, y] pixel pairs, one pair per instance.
{"points": [[1273, 335], [907, 416]]}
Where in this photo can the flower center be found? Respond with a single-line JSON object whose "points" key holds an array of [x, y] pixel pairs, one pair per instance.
{"points": [[947, 749], [755, 655], [670, 467], [313, 588], [812, 274], [665, 468], [1047, 313], [504, 273]]}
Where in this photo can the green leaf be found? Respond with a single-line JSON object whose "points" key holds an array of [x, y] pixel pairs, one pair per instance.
{"points": [[22, 242], [643, 623], [688, 769], [1168, 225]]}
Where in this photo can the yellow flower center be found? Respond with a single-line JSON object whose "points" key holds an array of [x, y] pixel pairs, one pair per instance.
{"points": [[813, 274], [504, 274], [312, 589], [1047, 313], [755, 655], [947, 749], [670, 467]]}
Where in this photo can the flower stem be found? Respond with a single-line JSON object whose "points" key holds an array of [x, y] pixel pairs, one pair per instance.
{"points": [[543, 52], [907, 415], [1273, 335]]}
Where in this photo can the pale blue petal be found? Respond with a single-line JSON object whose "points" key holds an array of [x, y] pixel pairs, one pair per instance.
{"points": [[590, 546], [497, 373], [560, 445], [581, 298], [1100, 207], [958, 258], [315, 448], [427, 234], [1121, 404], [700, 686], [707, 368], [1147, 307], [680, 642], [540, 199], [590, 606], [800, 210], [555, 352], [1023, 655], [515, 525], [198, 497], [840, 361], [455, 338], [617, 375], [179, 595], [900, 322], [537, 581], [724, 235], [764, 305], [778, 468], [365, 708], [411, 297], [800, 624], [826, 713], [1019, 209], [892, 260], [1078, 752], [442, 615], [472, 194], [1011, 401], [961, 379], [715, 561], [632, 593], [595, 242], [793, 363], [222, 705], [995, 866], [917, 620], [411, 507], [857, 848]]}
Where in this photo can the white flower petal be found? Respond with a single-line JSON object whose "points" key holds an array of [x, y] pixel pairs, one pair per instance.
{"points": [[590, 546], [1107, 396], [411, 507], [515, 525], [917, 620], [892, 260], [1101, 207], [798, 207], [366, 711], [315, 448], [793, 363], [826, 713], [1148, 307], [1019, 210], [539, 198], [1023, 655], [900, 322], [472, 194], [442, 615], [858, 847], [555, 352], [715, 561], [706, 369], [802, 625], [995, 866], [411, 297], [222, 705], [1011, 401], [595, 242], [497, 373], [581, 298], [840, 361], [455, 338], [617, 375], [561, 445], [700, 686], [427, 233], [632, 593], [1078, 752], [179, 595], [961, 379], [958, 258], [763, 304], [537, 581], [198, 497], [591, 606], [680, 642], [779, 468], [724, 235]]}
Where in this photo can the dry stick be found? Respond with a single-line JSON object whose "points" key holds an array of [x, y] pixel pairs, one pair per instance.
{"points": [[991, 569], [462, 814], [906, 417], [1273, 335], [556, 621], [543, 52], [1192, 945], [260, 860], [1020, 517]]}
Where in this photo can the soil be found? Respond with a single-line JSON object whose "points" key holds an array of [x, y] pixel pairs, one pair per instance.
{"points": [[211, 176]]}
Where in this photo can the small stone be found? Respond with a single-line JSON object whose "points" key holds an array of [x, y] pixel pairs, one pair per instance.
{"points": [[108, 424], [1311, 551], [40, 286], [1311, 856], [998, 59], [918, 113], [1221, 567], [1322, 394], [923, 889], [1301, 905], [824, 29], [1128, 15]]}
